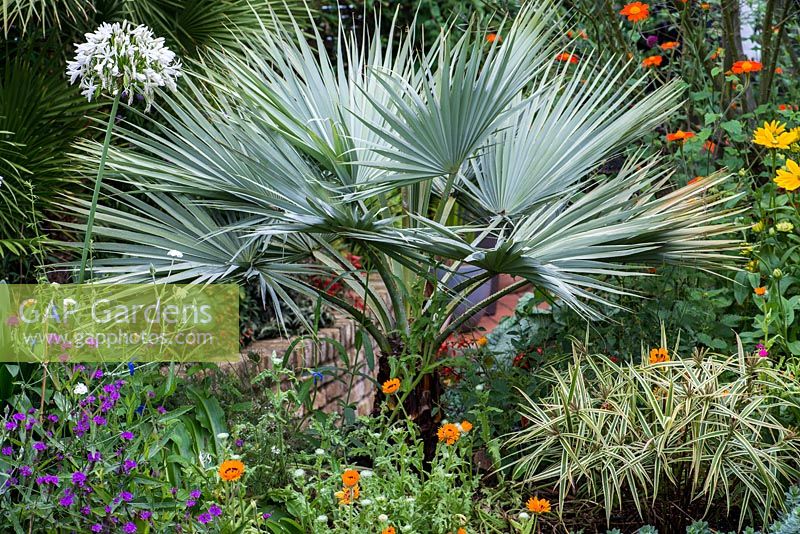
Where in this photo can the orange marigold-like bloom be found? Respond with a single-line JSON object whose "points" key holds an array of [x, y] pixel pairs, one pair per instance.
{"points": [[718, 52], [492, 37], [448, 433], [466, 426], [746, 67], [659, 355], [635, 11], [391, 386], [669, 45], [705, 6], [231, 470], [709, 146], [389, 530], [567, 57], [538, 506], [778, 70], [482, 341], [680, 135], [350, 478], [652, 61], [461, 530], [760, 291], [348, 495]]}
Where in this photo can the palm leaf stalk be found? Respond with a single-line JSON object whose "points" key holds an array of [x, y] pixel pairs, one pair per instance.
{"points": [[277, 156]]}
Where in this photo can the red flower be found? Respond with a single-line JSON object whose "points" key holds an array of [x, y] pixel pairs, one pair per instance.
{"points": [[567, 57], [652, 61], [746, 67], [635, 11]]}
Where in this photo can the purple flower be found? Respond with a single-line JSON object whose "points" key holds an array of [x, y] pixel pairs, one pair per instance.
{"points": [[25, 471], [128, 465], [126, 496], [215, 510], [99, 420], [92, 342], [266, 515], [651, 41], [12, 481], [97, 527], [98, 374], [7, 451], [151, 394], [161, 410], [52, 418], [19, 417], [39, 446], [11, 426], [762, 350], [173, 490], [204, 518], [94, 456], [47, 479], [67, 499], [78, 478], [129, 527], [145, 515], [195, 494], [127, 436], [86, 510], [190, 503], [12, 321], [239, 442]]}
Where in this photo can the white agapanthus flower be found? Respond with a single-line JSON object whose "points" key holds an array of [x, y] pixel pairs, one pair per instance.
{"points": [[121, 57], [80, 389]]}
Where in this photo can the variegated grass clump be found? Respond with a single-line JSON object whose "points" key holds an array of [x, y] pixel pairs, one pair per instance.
{"points": [[702, 428]]}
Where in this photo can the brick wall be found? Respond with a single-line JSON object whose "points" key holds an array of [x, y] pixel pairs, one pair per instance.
{"points": [[331, 392]]}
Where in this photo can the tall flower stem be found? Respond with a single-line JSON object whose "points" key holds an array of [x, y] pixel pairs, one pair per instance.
{"points": [[96, 195]]}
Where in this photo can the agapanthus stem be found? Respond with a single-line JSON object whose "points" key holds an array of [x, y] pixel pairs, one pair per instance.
{"points": [[96, 195]]}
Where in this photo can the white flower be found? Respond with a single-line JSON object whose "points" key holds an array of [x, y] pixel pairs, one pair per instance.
{"points": [[121, 57], [366, 473], [479, 387], [366, 502], [235, 457], [524, 515], [223, 435], [320, 452], [275, 450], [322, 518], [410, 499], [175, 254], [383, 518], [300, 473], [277, 361], [80, 389]]}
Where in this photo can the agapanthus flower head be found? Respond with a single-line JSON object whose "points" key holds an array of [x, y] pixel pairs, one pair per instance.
{"points": [[121, 57]]}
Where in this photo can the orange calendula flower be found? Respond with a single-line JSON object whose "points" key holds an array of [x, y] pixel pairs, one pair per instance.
{"points": [[231, 470], [706, 6], [778, 70], [482, 341], [680, 135], [669, 45], [789, 176], [538, 506], [492, 37], [348, 495], [466, 426], [760, 291], [652, 61], [350, 478], [659, 355], [448, 433], [391, 386], [566, 57], [709, 146], [718, 52], [389, 530], [746, 67], [635, 11], [461, 530]]}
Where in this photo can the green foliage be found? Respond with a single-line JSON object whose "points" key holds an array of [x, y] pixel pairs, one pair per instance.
{"points": [[699, 432]]}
